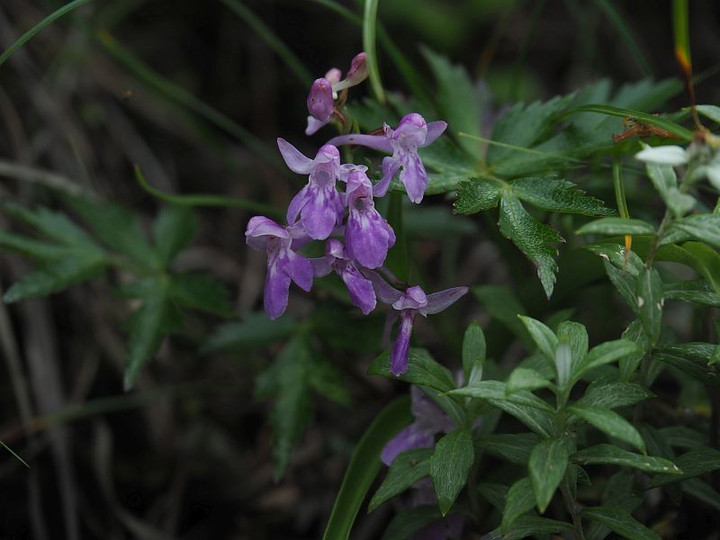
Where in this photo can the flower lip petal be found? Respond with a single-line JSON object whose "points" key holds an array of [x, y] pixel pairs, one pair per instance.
{"points": [[295, 160], [260, 229], [437, 302], [663, 155], [434, 130]]}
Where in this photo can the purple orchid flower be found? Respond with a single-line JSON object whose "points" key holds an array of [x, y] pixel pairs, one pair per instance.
{"points": [[283, 263], [319, 205], [430, 420], [412, 132], [410, 303], [359, 287], [324, 92], [368, 236]]}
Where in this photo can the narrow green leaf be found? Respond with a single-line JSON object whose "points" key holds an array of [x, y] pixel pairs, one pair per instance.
{"points": [[408, 522], [363, 468], [557, 195], [525, 379], [255, 330], [147, 327], [519, 500], [450, 465], [693, 463], [702, 227], [625, 284], [544, 338], [473, 353], [34, 249], [477, 194], [647, 118], [529, 526], [620, 521], [406, 469], [547, 465], [612, 455], [614, 254], [650, 302], [576, 336], [616, 225], [709, 111], [200, 291], [664, 179], [514, 447], [610, 423], [696, 291], [54, 225], [173, 230], [563, 364], [497, 390], [495, 494], [607, 352], [55, 276], [422, 370], [690, 358], [532, 238], [613, 395], [537, 420], [368, 34]]}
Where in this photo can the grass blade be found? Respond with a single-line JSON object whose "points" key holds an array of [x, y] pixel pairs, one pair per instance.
{"points": [[368, 33]]}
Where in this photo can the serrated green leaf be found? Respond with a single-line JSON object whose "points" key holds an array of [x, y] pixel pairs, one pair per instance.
{"points": [[34, 249], [607, 352], [693, 463], [449, 466], [200, 291], [406, 469], [422, 370], [620, 521], [520, 500], [557, 195], [496, 390], [697, 291], [173, 230], [525, 379], [616, 394], [547, 465], [616, 225], [544, 338], [650, 302], [532, 238], [473, 353], [54, 225], [55, 276], [609, 422], [703, 227], [690, 358], [514, 447], [612, 455], [477, 194], [364, 466], [147, 327], [254, 330], [119, 229], [457, 98]]}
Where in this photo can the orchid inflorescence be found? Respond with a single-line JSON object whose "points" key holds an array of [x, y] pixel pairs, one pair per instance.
{"points": [[357, 237]]}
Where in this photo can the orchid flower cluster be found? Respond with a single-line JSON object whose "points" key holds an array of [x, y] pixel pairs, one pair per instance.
{"points": [[357, 237]]}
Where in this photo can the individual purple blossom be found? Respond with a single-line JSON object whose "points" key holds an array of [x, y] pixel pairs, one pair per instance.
{"points": [[368, 237], [359, 287], [283, 264], [320, 104], [356, 74], [430, 420], [319, 205], [409, 304], [411, 133]]}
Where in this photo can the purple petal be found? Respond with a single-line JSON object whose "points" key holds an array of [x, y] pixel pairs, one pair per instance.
{"points": [[320, 100], [261, 229], [390, 167], [294, 159], [277, 285], [386, 293], [414, 298], [440, 300], [377, 142], [428, 414], [324, 209], [368, 238], [360, 289], [300, 270], [313, 125], [409, 438], [297, 203], [410, 131], [401, 348], [434, 130], [414, 177]]}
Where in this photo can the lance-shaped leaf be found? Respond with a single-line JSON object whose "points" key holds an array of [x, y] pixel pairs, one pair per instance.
{"points": [[610, 351], [610, 423], [497, 390], [650, 302], [614, 395], [449, 466], [529, 526], [612, 455], [620, 521], [692, 464], [422, 370], [616, 225], [557, 195], [514, 447], [525, 379], [520, 499], [547, 465], [664, 179], [702, 227], [690, 358], [407, 468], [473, 353], [698, 291], [532, 238], [544, 338]]}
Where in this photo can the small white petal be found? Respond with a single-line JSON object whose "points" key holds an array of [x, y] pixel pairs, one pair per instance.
{"points": [[663, 155]]}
